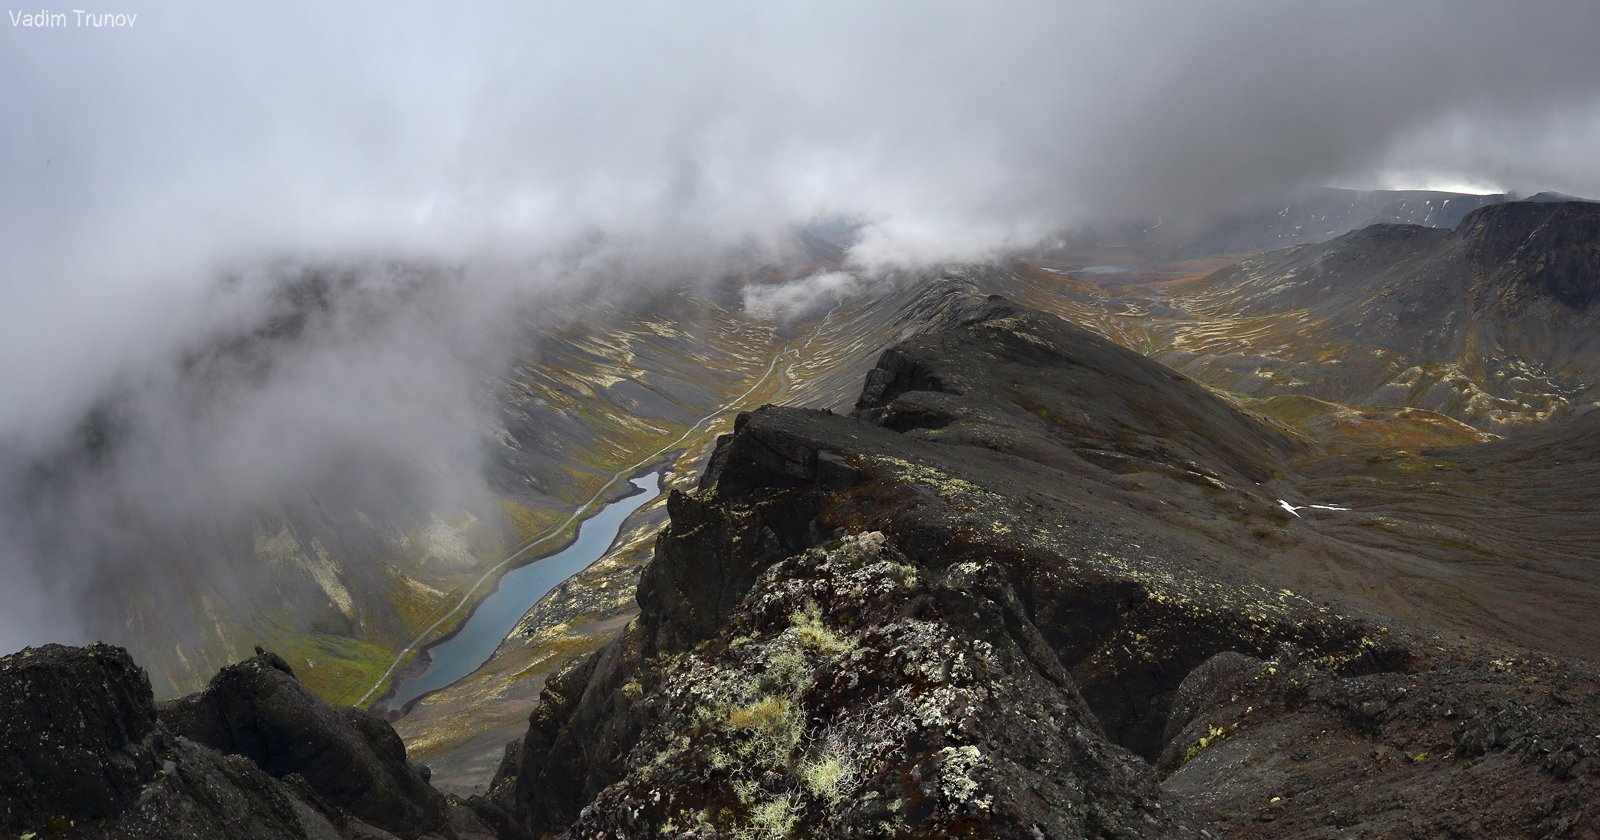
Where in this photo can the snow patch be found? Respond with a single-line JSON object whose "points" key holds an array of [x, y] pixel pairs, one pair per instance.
{"points": [[1295, 509]]}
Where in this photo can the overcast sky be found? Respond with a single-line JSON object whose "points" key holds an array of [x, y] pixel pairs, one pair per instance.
{"points": [[135, 159], [135, 163]]}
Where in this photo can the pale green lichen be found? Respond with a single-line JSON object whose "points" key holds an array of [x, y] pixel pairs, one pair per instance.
{"points": [[770, 820], [814, 635], [956, 768], [1212, 736], [824, 776]]}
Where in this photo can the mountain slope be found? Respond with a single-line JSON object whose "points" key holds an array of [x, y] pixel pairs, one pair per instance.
{"points": [[1493, 323], [1309, 215], [1123, 525], [1035, 584]]}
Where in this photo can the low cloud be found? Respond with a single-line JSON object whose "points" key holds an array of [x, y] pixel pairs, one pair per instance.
{"points": [[804, 297], [159, 179]]}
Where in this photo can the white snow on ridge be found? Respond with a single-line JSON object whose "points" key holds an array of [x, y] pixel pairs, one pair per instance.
{"points": [[1295, 509]]}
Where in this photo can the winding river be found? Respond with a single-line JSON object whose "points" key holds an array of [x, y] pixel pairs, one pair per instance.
{"points": [[493, 618]]}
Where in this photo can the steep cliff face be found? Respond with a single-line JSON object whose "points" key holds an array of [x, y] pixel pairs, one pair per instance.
{"points": [[1022, 529], [1529, 250]]}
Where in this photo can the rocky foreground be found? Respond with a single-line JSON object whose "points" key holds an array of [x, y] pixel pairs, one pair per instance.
{"points": [[1036, 585], [86, 752]]}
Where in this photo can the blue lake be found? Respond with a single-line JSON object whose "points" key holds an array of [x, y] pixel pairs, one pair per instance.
{"points": [[518, 590]]}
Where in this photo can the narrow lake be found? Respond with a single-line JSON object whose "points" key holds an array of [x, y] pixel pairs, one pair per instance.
{"points": [[519, 589]]}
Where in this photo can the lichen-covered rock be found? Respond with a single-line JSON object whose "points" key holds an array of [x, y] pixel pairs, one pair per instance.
{"points": [[855, 693]]}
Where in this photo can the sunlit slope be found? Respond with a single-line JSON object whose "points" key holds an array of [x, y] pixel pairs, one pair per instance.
{"points": [[1493, 323]]}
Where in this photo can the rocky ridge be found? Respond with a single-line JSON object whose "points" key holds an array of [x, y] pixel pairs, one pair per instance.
{"points": [[977, 552], [1034, 585]]}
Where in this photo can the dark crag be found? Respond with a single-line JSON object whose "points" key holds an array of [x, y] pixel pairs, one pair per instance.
{"points": [[86, 753]]}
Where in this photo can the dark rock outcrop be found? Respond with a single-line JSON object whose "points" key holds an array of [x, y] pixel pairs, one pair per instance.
{"points": [[354, 759], [856, 693], [75, 727], [86, 753], [1496, 747]]}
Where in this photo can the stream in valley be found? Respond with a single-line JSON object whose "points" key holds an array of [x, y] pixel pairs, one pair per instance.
{"points": [[471, 645]]}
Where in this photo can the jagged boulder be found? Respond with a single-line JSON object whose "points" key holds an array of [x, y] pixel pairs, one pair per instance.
{"points": [[257, 709], [83, 755], [75, 727]]}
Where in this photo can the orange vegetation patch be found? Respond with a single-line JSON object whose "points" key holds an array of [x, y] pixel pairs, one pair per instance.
{"points": [[1365, 427]]}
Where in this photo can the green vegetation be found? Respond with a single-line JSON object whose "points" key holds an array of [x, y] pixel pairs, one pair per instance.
{"points": [[1212, 736], [772, 819], [1365, 427], [769, 716], [335, 668], [814, 635], [822, 775], [529, 523]]}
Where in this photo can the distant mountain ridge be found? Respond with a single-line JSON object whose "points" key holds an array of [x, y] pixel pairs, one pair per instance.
{"points": [[1308, 215], [1493, 322], [1331, 211]]}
